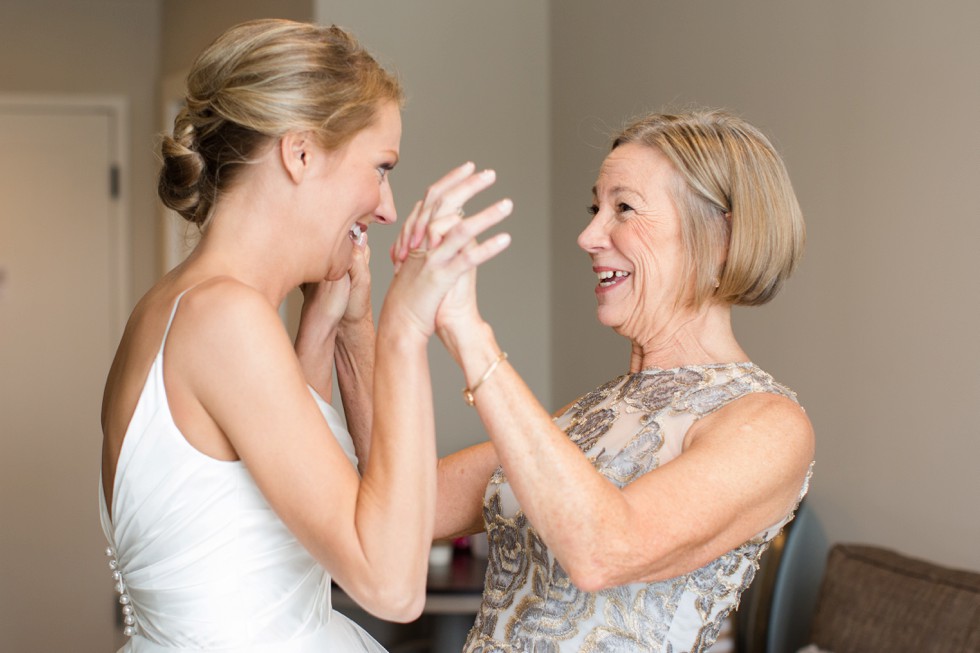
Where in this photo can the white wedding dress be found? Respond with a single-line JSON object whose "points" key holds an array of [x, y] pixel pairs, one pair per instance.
{"points": [[200, 560]]}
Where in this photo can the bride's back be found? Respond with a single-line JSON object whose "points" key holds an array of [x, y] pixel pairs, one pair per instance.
{"points": [[201, 559]]}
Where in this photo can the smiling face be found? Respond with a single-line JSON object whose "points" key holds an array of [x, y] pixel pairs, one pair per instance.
{"points": [[352, 189], [636, 242]]}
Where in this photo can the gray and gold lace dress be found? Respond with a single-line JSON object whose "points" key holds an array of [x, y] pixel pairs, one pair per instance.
{"points": [[626, 427]]}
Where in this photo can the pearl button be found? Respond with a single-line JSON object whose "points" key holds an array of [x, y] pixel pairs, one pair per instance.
{"points": [[129, 618]]}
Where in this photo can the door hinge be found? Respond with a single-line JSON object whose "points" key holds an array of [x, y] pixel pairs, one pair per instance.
{"points": [[114, 182]]}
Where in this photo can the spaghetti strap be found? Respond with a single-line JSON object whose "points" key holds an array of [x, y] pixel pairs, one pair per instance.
{"points": [[173, 312]]}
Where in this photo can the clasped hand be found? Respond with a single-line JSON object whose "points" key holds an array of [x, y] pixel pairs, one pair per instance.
{"points": [[436, 253], [346, 300]]}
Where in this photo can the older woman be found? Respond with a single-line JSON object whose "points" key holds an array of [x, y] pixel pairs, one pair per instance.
{"points": [[634, 519]]}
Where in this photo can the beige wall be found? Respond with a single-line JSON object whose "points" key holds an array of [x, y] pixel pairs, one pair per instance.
{"points": [[874, 106], [188, 26]]}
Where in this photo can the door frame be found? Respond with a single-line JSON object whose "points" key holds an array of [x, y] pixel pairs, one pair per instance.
{"points": [[116, 108]]}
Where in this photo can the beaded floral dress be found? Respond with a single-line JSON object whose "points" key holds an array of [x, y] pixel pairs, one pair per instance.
{"points": [[626, 428], [200, 560]]}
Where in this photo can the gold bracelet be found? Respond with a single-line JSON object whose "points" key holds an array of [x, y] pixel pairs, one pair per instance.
{"points": [[468, 392]]}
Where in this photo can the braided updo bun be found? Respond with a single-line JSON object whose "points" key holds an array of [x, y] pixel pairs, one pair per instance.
{"points": [[256, 82]]}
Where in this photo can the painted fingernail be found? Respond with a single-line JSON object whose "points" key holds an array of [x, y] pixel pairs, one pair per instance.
{"points": [[505, 206], [488, 174]]}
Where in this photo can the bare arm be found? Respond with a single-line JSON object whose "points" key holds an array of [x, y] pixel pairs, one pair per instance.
{"points": [[740, 472], [317, 334], [462, 482], [354, 356], [372, 534], [337, 328]]}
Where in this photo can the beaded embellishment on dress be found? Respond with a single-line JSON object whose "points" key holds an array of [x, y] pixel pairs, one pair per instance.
{"points": [[129, 620]]}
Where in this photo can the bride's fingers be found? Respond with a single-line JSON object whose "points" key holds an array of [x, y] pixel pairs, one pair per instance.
{"points": [[448, 180], [457, 238], [439, 211], [416, 231], [446, 209], [402, 244]]}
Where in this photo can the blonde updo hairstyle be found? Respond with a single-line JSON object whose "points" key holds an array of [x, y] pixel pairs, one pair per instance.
{"points": [[256, 82], [741, 223]]}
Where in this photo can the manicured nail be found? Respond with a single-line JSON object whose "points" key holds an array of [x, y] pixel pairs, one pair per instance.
{"points": [[488, 174], [505, 206]]}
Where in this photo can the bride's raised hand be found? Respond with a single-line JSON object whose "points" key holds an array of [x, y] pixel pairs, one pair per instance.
{"points": [[439, 210], [427, 274]]}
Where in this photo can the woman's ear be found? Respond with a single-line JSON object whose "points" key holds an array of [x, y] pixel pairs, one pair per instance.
{"points": [[295, 151]]}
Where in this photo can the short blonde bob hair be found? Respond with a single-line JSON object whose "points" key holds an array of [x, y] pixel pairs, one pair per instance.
{"points": [[256, 82], [737, 204]]}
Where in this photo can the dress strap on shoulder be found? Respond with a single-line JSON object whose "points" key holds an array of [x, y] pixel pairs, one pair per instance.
{"points": [[173, 312]]}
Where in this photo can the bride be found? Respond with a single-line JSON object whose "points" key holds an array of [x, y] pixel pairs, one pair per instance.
{"points": [[229, 489]]}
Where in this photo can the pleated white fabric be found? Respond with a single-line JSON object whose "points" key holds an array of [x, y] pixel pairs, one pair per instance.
{"points": [[201, 561]]}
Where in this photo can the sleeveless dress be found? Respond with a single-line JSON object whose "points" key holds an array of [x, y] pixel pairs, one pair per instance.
{"points": [[200, 560], [626, 428]]}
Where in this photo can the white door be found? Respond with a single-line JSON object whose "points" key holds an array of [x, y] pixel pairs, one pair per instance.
{"points": [[60, 294]]}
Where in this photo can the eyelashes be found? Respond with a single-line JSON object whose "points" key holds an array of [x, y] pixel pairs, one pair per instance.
{"points": [[621, 208], [383, 171]]}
